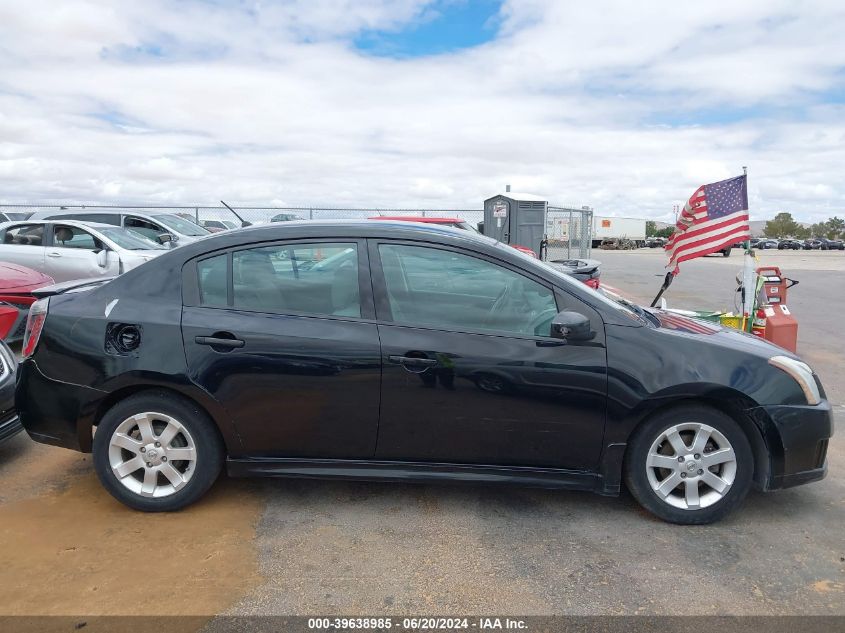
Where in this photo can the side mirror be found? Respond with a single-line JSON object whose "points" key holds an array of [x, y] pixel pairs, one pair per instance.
{"points": [[103, 258], [165, 238], [245, 224], [572, 326]]}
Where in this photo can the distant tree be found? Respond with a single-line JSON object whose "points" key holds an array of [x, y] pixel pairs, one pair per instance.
{"points": [[782, 225], [802, 233], [651, 230], [835, 227], [818, 229]]}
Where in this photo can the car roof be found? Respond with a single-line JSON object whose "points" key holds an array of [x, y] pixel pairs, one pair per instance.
{"points": [[421, 219], [352, 229], [41, 215], [76, 223]]}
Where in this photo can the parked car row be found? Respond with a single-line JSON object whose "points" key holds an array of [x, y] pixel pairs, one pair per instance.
{"points": [[165, 228], [817, 243]]}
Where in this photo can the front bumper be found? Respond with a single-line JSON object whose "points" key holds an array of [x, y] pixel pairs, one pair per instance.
{"points": [[797, 438]]}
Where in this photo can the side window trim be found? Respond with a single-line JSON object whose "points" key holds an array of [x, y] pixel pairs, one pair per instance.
{"points": [[384, 314], [191, 293]]}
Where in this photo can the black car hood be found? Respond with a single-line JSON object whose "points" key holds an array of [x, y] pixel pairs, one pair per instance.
{"points": [[709, 332]]}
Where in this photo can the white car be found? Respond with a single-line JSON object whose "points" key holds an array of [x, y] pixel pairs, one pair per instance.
{"points": [[166, 228], [223, 225], [69, 250]]}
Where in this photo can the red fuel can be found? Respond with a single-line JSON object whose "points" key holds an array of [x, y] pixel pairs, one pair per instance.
{"points": [[781, 327]]}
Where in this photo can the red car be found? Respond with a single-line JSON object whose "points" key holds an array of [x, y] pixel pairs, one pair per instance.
{"points": [[455, 223], [16, 286]]}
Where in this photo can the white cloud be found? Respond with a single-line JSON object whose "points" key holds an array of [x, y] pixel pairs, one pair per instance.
{"points": [[269, 103]]}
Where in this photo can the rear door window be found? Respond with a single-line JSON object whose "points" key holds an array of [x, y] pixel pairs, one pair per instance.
{"points": [[316, 279], [25, 235], [213, 281]]}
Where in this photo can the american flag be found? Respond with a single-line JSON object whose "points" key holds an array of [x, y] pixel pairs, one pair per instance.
{"points": [[715, 216]]}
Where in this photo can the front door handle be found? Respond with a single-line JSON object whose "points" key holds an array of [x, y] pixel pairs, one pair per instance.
{"points": [[213, 341], [54, 254], [412, 361]]}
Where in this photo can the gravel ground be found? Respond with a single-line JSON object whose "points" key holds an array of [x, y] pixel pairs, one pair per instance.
{"points": [[267, 547]]}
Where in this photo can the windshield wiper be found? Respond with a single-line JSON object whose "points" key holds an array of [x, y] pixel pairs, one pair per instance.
{"points": [[639, 311]]}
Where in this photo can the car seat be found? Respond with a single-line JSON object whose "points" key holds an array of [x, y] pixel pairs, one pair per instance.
{"points": [[256, 287], [63, 234]]}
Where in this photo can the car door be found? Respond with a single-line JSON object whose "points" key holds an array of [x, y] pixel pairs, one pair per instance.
{"points": [[23, 244], [283, 336], [72, 253], [470, 372]]}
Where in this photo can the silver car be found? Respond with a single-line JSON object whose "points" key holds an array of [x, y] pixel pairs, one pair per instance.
{"points": [[166, 228], [69, 250]]}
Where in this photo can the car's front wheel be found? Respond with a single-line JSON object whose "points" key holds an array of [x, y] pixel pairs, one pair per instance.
{"points": [[689, 465], [156, 451]]}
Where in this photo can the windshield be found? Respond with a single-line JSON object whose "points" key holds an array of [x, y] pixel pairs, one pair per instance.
{"points": [[181, 225], [130, 240], [614, 302]]}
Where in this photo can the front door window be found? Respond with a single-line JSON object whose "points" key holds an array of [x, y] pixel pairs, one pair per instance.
{"points": [[451, 291]]}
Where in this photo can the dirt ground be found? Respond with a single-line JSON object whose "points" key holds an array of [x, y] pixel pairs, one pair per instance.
{"points": [[67, 548]]}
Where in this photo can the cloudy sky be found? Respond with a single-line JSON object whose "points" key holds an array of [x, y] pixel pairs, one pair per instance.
{"points": [[623, 106]]}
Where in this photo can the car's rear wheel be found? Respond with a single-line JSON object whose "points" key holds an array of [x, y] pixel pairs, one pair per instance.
{"points": [[156, 451], [689, 465]]}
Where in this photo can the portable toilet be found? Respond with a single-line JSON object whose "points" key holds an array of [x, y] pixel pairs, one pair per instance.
{"points": [[516, 218]]}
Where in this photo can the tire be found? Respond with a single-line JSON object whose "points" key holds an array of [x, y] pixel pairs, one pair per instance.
{"points": [[726, 252], [122, 452], [648, 483]]}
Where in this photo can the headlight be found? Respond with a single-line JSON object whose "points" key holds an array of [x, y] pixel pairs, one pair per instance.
{"points": [[802, 374]]}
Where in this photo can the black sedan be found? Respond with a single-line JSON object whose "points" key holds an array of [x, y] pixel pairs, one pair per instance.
{"points": [[794, 245], [823, 244], [402, 352]]}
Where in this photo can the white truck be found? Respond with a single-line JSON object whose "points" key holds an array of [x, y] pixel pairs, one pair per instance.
{"points": [[608, 227]]}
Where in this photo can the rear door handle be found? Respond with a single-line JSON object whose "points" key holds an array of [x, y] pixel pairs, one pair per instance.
{"points": [[230, 343], [412, 361]]}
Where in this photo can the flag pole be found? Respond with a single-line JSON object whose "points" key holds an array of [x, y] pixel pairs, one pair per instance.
{"points": [[749, 281]]}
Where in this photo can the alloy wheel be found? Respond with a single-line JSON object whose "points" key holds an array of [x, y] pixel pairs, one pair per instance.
{"points": [[152, 454], [691, 466]]}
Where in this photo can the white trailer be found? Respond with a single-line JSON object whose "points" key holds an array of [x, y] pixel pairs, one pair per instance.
{"points": [[608, 227]]}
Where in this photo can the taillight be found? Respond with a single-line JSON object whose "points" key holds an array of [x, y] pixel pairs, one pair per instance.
{"points": [[34, 325], [592, 283]]}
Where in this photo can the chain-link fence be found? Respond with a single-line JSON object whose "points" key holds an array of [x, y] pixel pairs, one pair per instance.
{"points": [[254, 215], [568, 233], [567, 229]]}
